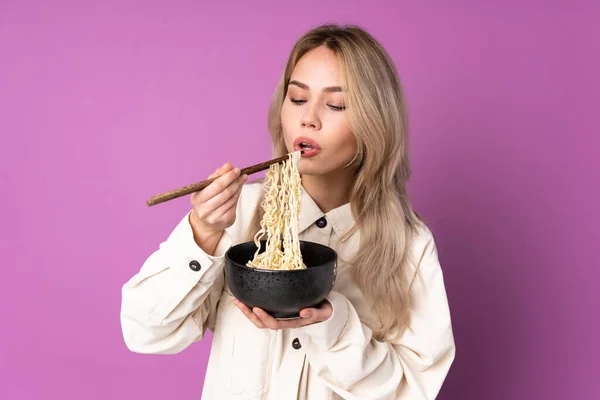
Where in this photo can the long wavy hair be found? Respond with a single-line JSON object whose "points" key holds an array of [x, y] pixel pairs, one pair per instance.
{"points": [[377, 113]]}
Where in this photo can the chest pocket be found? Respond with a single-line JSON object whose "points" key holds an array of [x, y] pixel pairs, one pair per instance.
{"points": [[244, 353]]}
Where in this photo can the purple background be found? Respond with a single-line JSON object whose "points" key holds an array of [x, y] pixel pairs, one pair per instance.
{"points": [[104, 105]]}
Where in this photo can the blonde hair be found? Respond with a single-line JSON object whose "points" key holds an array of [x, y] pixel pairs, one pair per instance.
{"points": [[377, 115]]}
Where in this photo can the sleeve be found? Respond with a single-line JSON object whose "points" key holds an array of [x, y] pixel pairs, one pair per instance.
{"points": [[356, 366], [171, 301]]}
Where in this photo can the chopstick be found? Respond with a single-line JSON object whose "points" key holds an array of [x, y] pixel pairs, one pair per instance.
{"points": [[195, 187]]}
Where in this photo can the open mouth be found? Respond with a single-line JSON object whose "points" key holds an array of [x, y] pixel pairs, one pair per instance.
{"points": [[308, 145]]}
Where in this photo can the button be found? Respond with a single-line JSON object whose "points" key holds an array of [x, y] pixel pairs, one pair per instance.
{"points": [[322, 222], [296, 344], [194, 265]]}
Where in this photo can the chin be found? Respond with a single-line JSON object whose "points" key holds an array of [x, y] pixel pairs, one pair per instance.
{"points": [[305, 169], [313, 170]]}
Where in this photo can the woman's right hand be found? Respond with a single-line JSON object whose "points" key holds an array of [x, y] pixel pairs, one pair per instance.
{"points": [[215, 206]]}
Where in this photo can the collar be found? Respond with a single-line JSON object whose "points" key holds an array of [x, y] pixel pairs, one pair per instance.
{"points": [[340, 218]]}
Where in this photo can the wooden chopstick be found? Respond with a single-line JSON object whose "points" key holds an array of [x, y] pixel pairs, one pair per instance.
{"points": [[195, 187]]}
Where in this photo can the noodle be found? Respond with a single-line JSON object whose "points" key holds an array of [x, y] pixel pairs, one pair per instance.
{"points": [[280, 221]]}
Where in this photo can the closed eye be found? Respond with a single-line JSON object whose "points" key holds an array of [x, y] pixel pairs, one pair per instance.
{"points": [[334, 108]]}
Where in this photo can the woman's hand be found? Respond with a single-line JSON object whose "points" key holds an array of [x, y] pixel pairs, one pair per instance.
{"points": [[308, 316], [214, 208]]}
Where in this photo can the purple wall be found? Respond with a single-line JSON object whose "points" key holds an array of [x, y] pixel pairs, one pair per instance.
{"points": [[103, 106]]}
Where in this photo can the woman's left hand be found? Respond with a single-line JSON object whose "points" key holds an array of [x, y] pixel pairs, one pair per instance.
{"points": [[308, 316]]}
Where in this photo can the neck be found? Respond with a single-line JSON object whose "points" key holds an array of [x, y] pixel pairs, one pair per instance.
{"points": [[329, 191]]}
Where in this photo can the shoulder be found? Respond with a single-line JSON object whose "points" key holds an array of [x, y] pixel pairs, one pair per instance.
{"points": [[423, 249]]}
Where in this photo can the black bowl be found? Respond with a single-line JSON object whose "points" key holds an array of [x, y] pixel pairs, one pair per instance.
{"points": [[281, 293]]}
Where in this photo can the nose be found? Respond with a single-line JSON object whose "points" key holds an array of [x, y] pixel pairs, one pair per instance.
{"points": [[310, 119]]}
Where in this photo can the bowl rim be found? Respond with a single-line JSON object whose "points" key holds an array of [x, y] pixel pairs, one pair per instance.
{"points": [[238, 265]]}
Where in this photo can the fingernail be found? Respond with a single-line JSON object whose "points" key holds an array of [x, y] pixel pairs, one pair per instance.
{"points": [[237, 171], [307, 315], [245, 177]]}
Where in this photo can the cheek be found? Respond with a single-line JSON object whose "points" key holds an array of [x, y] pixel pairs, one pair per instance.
{"points": [[287, 118], [346, 141], [287, 113], [285, 124], [350, 148]]}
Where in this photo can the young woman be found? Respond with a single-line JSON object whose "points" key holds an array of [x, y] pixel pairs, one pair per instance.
{"points": [[385, 330]]}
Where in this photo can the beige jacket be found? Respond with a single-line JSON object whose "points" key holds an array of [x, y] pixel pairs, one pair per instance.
{"points": [[170, 302]]}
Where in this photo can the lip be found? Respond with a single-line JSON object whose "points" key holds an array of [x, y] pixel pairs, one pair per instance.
{"points": [[307, 153]]}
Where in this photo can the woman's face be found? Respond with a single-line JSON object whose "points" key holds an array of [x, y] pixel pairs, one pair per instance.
{"points": [[313, 115]]}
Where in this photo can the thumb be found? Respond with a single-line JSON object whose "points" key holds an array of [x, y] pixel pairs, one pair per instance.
{"points": [[312, 315], [322, 313]]}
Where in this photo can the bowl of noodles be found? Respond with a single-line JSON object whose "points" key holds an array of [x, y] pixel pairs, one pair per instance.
{"points": [[277, 271], [281, 292]]}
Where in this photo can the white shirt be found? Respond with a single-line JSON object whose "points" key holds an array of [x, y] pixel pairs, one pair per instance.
{"points": [[169, 304]]}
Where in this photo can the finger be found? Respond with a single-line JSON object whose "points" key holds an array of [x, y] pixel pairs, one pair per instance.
{"points": [[221, 170], [249, 314], [267, 320], [219, 185], [291, 323], [317, 314], [230, 205], [308, 316], [311, 316], [195, 196], [225, 167], [212, 204]]}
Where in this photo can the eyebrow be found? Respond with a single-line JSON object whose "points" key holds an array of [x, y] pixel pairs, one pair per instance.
{"points": [[329, 89]]}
